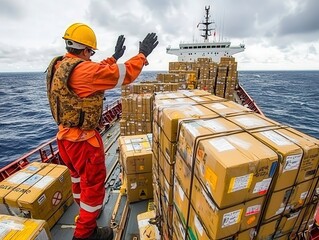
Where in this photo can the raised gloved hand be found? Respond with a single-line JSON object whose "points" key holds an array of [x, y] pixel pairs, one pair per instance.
{"points": [[119, 48], [148, 44]]}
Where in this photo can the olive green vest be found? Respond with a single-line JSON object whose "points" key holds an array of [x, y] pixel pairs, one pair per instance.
{"points": [[67, 107]]}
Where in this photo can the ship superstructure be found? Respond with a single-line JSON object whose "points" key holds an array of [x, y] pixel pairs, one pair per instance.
{"points": [[190, 52]]}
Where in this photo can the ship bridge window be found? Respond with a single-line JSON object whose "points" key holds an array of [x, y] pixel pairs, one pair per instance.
{"points": [[223, 46], [218, 46], [203, 46], [185, 47], [213, 46], [195, 47]]}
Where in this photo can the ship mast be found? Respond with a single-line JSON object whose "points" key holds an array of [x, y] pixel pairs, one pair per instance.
{"points": [[207, 29]]}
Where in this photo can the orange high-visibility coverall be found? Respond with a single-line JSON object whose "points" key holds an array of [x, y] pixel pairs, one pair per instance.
{"points": [[83, 151]]}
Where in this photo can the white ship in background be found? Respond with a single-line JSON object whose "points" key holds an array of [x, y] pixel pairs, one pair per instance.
{"points": [[189, 52]]}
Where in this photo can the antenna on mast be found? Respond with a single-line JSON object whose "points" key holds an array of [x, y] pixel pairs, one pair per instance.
{"points": [[206, 29]]}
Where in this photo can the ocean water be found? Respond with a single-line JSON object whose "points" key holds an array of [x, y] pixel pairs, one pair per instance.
{"points": [[289, 97]]}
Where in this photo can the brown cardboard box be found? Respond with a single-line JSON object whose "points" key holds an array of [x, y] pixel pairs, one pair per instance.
{"points": [[166, 188], [196, 229], [219, 223], [310, 159], [290, 156], [182, 174], [167, 168], [232, 174], [167, 147], [179, 227], [13, 227], [171, 116], [227, 108], [267, 230], [181, 202], [147, 231], [161, 104], [292, 198], [136, 153], [167, 211], [253, 121], [139, 186], [192, 129], [40, 190]]}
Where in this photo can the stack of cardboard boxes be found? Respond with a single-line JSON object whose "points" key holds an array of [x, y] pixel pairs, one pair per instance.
{"points": [[136, 114], [137, 99], [136, 161], [221, 170]]}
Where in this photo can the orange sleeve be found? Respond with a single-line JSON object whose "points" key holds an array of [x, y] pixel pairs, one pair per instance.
{"points": [[89, 77]]}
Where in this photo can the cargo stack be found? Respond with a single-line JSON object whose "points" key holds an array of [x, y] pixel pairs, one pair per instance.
{"points": [[219, 79], [169, 110], [39, 191], [221, 170], [136, 162], [136, 114]]}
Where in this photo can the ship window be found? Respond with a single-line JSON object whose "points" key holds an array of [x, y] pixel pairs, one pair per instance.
{"points": [[190, 47], [203, 46], [223, 46], [185, 47], [195, 47], [218, 46], [213, 46]]}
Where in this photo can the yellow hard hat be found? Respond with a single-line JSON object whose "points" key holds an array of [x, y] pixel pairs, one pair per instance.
{"points": [[81, 33]]}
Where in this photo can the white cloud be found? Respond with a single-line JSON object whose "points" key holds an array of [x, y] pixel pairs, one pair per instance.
{"points": [[278, 35]]}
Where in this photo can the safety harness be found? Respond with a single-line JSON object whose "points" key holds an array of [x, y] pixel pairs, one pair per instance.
{"points": [[67, 107]]}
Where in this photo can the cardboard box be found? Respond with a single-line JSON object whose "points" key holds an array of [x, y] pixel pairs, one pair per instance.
{"points": [[310, 159], [290, 155], [136, 153], [191, 130], [227, 108], [251, 121], [181, 202], [167, 189], [13, 227], [179, 227], [232, 174], [171, 116], [147, 231], [196, 229], [290, 199], [219, 223], [41, 191], [139, 186]]}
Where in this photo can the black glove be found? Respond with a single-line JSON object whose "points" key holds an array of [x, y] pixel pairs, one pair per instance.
{"points": [[148, 44], [119, 48]]}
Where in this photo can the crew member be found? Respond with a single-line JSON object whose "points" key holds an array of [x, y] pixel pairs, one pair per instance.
{"points": [[75, 87]]}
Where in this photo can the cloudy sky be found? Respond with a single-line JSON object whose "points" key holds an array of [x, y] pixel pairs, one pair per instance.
{"points": [[279, 35]]}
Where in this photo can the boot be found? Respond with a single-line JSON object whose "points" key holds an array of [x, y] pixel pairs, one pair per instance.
{"points": [[104, 233]]}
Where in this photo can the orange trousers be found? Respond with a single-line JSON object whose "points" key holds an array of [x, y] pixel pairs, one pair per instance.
{"points": [[87, 167]]}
